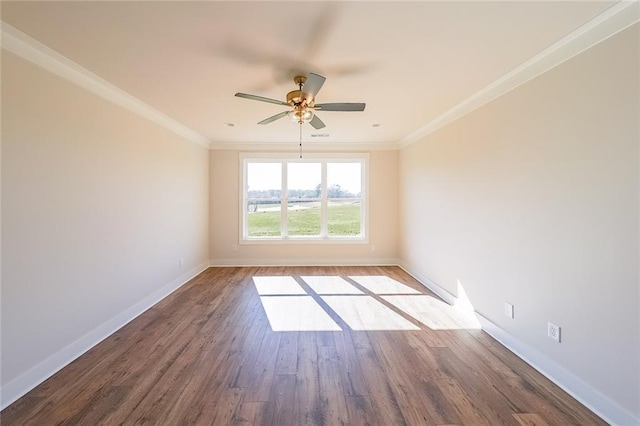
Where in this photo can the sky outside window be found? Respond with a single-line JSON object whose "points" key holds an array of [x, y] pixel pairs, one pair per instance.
{"points": [[264, 176]]}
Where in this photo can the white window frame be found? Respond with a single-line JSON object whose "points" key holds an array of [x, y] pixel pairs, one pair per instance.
{"points": [[323, 159]]}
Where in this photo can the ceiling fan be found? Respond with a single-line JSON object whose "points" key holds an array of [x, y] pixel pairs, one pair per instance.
{"points": [[302, 102]]}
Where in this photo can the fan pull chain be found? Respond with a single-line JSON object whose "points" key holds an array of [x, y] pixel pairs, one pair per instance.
{"points": [[301, 140]]}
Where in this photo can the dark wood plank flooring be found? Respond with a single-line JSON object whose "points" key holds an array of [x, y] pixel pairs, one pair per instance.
{"points": [[207, 355]]}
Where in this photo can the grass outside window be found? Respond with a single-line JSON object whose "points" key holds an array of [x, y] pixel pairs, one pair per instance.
{"points": [[343, 219]]}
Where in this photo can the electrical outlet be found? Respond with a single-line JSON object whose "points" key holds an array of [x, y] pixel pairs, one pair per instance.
{"points": [[553, 331], [234, 247], [181, 261], [373, 247], [508, 309]]}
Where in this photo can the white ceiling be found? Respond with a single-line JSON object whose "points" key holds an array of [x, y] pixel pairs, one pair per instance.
{"points": [[410, 62]]}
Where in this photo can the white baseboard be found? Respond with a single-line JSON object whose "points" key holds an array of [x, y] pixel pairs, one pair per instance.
{"points": [[440, 291], [367, 261], [573, 385], [570, 383], [22, 384], [581, 391]]}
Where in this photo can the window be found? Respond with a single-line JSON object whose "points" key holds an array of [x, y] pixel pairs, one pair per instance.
{"points": [[310, 199]]}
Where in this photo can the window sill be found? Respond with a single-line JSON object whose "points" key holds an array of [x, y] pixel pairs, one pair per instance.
{"points": [[286, 241]]}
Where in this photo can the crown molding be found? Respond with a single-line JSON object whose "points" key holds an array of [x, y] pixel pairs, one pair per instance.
{"points": [[33, 51], [613, 20], [306, 146], [618, 17]]}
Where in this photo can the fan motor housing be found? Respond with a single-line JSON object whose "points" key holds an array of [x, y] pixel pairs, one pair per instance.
{"points": [[294, 97]]}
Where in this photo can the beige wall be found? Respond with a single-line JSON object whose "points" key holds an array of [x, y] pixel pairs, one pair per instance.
{"points": [[98, 207], [533, 199], [224, 225]]}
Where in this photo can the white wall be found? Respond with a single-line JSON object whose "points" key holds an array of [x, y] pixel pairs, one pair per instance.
{"points": [[533, 199], [98, 207], [224, 225]]}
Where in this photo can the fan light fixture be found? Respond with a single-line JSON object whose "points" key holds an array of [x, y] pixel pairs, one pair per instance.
{"points": [[300, 115]]}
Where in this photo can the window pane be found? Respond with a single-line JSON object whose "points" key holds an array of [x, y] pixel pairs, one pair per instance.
{"points": [[263, 218], [343, 218], [303, 218], [264, 185], [264, 180], [304, 180], [344, 180]]}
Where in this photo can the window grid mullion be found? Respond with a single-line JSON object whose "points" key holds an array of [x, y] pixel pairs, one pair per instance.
{"points": [[324, 227], [245, 196], [363, 190], [284, 204]]}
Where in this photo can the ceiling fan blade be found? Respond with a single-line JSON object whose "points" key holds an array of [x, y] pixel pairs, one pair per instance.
{"points": [[260, 98], [320, 30], [347, 69], [340, 107], [247, 53], [317, 123], [312, 86], [274, 118]]}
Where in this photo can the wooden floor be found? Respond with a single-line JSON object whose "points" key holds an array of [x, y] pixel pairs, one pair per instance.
{"points": [[207, 355]]}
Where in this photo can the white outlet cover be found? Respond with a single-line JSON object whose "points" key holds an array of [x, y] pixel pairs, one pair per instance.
{"points": [[508, 309], [553, 331]]}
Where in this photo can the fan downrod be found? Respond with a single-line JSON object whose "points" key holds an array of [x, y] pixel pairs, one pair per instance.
{"points": [[294, 98]]}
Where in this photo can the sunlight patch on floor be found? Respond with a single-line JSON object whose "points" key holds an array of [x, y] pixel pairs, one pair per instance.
{"points": [[383, 285], [297, 313], [433, 313], [366, 313], [384, 305], [330, 285], [277, 285]]}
